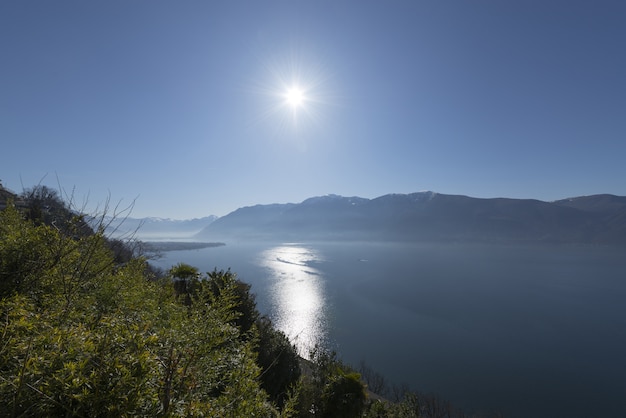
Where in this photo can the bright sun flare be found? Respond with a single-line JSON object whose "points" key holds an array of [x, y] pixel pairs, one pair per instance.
{"points": [[295, 97], [295, 93]]}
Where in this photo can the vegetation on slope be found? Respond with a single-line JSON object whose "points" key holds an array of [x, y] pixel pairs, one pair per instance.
{"points": [[83, 336]]}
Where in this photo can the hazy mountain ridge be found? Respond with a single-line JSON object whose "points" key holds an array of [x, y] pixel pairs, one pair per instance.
{"points": [[151, 227], [423, 216], [429, 216]]}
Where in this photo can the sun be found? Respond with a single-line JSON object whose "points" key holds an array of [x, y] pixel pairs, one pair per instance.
{"points": [[294, 97], [295, 93]]}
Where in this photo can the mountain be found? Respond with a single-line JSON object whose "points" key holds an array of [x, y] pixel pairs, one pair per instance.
{"points": [[610, 209], [156, 228], [600, 203], [429, 216]]}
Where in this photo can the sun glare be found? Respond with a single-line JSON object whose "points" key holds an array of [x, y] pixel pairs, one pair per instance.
{"points": [[295, 92], [295, 97]]}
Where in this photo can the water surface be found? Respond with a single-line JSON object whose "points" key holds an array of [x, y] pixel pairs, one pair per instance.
{"points": [[529, 331]]}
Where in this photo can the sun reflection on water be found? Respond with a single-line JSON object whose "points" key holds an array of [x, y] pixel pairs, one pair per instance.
{"points": [[297, 294]]}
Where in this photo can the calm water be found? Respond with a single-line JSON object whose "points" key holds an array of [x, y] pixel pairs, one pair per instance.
{"points": [[527, 331]]}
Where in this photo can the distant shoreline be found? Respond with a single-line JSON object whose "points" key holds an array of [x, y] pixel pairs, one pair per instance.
{"points": [[165, 246]]}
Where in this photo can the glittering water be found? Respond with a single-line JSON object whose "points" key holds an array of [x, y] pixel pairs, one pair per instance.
{"points": [[297, 294]]}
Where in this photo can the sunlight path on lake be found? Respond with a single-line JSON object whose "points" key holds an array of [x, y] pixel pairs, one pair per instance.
{"points": [[297, 294]]}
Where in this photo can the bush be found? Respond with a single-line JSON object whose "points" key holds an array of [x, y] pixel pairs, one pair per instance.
{"points": [[84, 336]]}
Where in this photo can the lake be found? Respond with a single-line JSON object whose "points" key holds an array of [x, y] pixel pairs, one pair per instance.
{"points": [[527, 331]]}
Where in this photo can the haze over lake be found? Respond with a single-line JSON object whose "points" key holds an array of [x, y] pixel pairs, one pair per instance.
{"points": [[526, 330]]}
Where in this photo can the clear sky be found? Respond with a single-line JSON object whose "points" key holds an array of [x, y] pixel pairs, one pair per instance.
{"points": [[183, 104]]}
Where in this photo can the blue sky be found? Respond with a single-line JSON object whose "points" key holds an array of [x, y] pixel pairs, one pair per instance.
{"points": [[181, 104]]}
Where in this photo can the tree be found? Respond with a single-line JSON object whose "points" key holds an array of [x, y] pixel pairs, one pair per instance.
{"points": [[344, 395], [185, 277], [279, 360], [332, 389], [276, 356], [25, 253], [221, 283]]}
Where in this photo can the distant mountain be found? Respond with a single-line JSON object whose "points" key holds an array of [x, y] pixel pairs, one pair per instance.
{"points": [[600, 203], [609, 209], [156, 228], [429, 216]]}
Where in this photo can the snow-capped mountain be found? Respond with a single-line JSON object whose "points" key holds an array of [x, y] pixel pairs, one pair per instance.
{"points": [[430, 216]]}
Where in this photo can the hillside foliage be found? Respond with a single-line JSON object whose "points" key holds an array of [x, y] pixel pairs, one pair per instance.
{"points": [[85, 336]]}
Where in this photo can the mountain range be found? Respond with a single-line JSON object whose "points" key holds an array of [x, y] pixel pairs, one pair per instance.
{"points": [[423, 216], [430, 216]]}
